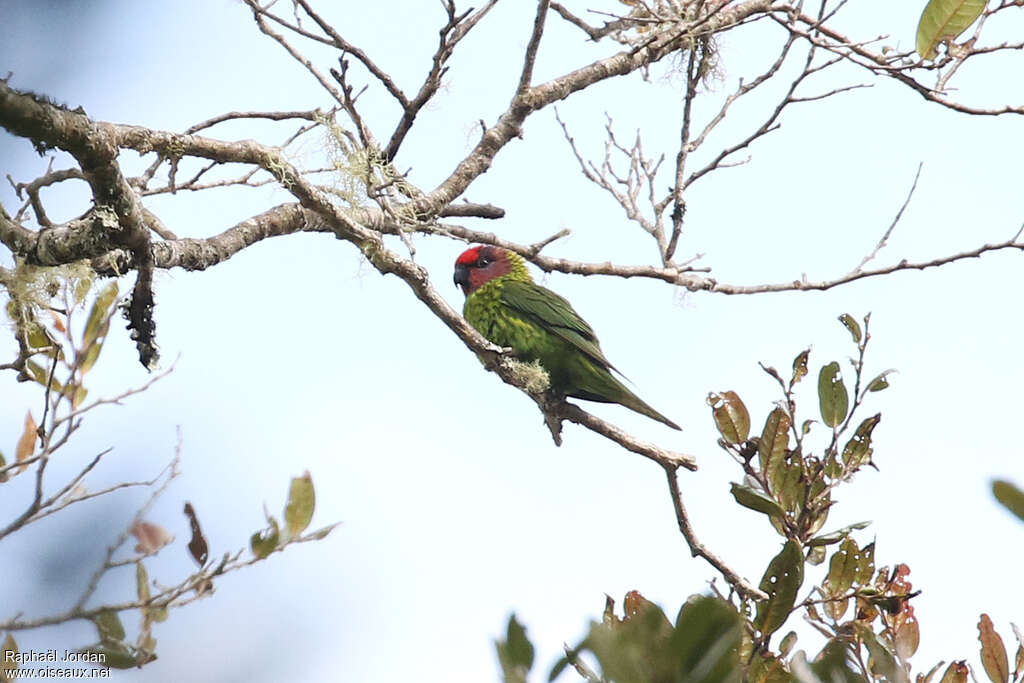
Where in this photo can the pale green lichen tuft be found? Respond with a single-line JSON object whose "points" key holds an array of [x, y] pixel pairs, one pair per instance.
{"points": [[363, 173], [31, 290], [531, 376]]}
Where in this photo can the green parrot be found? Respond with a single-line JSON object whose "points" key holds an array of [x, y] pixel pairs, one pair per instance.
{"points": [[506, 306]]}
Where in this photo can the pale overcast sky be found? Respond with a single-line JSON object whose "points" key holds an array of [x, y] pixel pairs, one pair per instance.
{"points": [[456, 507]]}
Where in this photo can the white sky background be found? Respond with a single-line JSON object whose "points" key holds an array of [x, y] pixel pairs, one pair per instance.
{"points": [[457, 508]]}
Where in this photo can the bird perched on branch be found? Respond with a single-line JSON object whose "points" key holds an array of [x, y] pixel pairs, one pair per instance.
{"points": [[506, 306]]}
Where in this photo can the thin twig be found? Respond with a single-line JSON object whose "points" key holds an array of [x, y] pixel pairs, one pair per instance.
{"points": [[698, 549]]}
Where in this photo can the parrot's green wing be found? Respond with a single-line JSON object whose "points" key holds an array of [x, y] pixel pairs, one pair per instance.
{"points": [[554, 314]]}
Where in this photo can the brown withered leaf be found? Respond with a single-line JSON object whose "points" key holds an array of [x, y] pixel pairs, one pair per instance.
{"points": [[27, 442], [993, 652], [1018, 667], [151, 537], [731, 416], [908, 634], [197, 547], [635, 603], [956, 672], [58, 322]]}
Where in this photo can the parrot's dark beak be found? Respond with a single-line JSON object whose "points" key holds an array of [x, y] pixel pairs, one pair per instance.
{"points": [[461, 277]]}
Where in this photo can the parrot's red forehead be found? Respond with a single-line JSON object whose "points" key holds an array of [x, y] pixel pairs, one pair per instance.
{"points": [[468, 257]]}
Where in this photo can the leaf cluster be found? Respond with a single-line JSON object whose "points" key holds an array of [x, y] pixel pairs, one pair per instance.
{"points": [[864, 613]]}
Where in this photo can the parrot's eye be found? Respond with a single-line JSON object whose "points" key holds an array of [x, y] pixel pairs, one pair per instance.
{"points": [[483, 262]]}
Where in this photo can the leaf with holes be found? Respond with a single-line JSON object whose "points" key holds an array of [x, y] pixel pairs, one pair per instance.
{"points": [[908, 637], [265, 541], [731, 416], [781, 581], [944, 20], [843, 568], [857, 451], [881, 381], [800, 366], [832, 397], [850, 323]]}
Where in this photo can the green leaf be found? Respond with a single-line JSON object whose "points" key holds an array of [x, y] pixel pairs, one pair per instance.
{"points": [[789, 486], [832, 396], [42, 376], [850, 323], [141, 583], [731, 416], [634, 649], [835, 664], [152, 613], [881, 381], [515, 653], [786, 646], [1010, 496], [774, 441], [39, 337], [266, 541], [78, 397], [837, 535], [92, 354], [321, 534], [116, 656], [298, 513], [945, 20], [757, 501], [843, 568], [800, 366], [781, 582], [816, 555], [706, 641], [82, 287], [768, 669], [858, 449], [109, 626], [98, 321], [867, 564], [883, 662]]}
